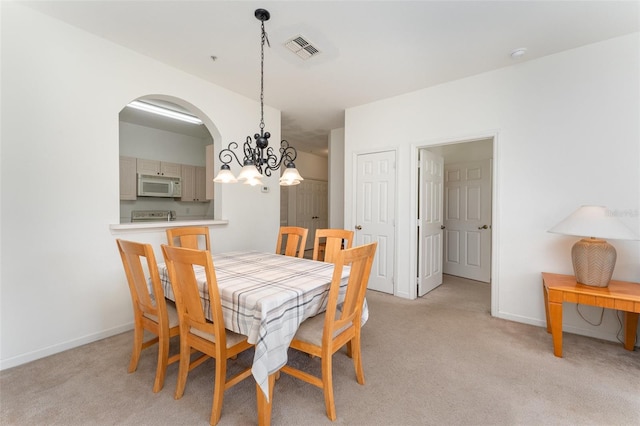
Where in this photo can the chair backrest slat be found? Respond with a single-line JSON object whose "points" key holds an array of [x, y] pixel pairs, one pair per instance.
{"points": [[189, 237], [134, 257], [334, 240], [182, 264], [295, 239], [360, 260]]}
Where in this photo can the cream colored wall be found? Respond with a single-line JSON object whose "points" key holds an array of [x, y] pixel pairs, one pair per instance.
{"points": [[465, 151], [312, 166]]}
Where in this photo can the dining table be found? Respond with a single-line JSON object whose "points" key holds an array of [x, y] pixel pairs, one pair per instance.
{"points": [[266, 296]]}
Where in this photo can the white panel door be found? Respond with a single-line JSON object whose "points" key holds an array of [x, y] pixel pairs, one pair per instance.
{"points": [[430, 222], [467, 220], [375, 214], [320, 217], [311, 207]]}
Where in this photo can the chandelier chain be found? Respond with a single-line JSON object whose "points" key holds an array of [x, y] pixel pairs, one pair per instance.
{"points": [[264, 38], [262, 158]]}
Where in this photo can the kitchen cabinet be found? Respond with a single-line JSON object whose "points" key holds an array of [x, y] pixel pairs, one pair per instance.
{"points": [[160, 168], [195, 179], [128, 178], [201, 184], [193, 183]]}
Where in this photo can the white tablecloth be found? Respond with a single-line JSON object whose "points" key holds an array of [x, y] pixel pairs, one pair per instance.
{"points": [[266, 296]]}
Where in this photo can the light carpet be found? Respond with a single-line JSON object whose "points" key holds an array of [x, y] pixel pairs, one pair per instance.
{"points": [[438, 360]]}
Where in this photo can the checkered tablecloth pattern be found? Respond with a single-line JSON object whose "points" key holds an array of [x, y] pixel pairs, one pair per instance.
{"points": [[266, 296]]}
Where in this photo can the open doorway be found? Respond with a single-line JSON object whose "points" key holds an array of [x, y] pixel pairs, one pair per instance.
{"points": [[161, 135], [454, 211]]}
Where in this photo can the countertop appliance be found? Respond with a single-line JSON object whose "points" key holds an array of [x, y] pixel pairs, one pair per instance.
{"points": [[153, 215], [159, 186]]}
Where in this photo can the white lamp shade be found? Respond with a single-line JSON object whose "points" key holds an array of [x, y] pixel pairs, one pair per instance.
{"points": [[290, 177], [253, 181], [225, 176], [249, 172], [596, 222]]}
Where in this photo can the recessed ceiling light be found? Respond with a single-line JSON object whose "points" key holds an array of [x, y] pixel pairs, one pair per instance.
{"points": [[518, 53]]}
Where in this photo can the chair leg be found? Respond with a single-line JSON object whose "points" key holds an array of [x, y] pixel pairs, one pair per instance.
{"points": [[218, 390], [183, 369], [163, 360], [327, 385], [264, 406], [138, 334], [357, 358]]}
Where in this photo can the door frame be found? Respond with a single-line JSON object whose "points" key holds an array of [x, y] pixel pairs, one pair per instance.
{"points": [[495, 202]]}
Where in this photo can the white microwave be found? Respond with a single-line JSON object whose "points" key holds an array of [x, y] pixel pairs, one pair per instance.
{"points": [[159, 186]]}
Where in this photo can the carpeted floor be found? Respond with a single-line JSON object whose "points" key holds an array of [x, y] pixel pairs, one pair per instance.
{"points": [[438, 360]]}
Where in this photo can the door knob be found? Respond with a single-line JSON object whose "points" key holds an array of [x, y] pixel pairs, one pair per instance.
{"points": [[442, 226], [358, 227], [483, 227]]}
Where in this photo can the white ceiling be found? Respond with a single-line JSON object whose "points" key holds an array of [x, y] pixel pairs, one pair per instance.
{"points": [[370, 50]]}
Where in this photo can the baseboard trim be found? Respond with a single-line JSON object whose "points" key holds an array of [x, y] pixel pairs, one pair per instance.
{"points": [[596, 334], [61, 347]]}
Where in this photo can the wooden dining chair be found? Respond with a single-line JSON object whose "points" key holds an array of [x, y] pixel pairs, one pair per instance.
{"points": [[323, 335], [189, 237], [150, 312], [328, 242], [196, 332], [295, 240]]}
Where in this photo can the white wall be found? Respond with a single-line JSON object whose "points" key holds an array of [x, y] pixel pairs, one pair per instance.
{"points": [[567, 134], [336, 183], [156, 144], [61, 282]]}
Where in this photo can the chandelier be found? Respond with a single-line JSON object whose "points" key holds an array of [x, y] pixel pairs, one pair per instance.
{"points": [[260, 159]]}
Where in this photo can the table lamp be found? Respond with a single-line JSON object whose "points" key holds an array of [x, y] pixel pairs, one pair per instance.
{"points": [[593, 258]]}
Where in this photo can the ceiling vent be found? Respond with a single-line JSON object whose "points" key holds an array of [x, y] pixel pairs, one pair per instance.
{"points": [[302, 47]]}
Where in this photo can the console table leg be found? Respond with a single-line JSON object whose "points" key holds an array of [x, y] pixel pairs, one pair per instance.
{"points": [[555, 317], [630, 329], [546, 307]]}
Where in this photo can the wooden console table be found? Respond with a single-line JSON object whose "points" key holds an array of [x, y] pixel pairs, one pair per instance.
{"points": [[620, 295]]}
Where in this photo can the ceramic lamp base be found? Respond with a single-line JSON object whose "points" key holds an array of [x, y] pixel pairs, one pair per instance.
{"points": [[593, 261]]}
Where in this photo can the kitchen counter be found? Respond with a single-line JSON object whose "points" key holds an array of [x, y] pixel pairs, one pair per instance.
{"points": [[123, 227]]}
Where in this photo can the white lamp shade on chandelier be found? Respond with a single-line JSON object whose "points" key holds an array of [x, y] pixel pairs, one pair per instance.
{"points": [[249, 172], [290, 177], [225, 176], [592, 257]]}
